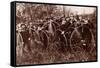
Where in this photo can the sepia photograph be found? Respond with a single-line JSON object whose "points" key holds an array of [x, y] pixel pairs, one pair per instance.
{"points": [[55, 33]]}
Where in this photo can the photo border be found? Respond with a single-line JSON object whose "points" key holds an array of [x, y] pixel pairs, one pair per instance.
{"points": [[13, 33]]}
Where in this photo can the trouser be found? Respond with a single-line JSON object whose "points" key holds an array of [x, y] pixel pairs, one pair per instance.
{"points": [[27, 44]]}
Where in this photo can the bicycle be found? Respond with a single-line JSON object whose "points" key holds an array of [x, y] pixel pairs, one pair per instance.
{"points": [[81, 37]]}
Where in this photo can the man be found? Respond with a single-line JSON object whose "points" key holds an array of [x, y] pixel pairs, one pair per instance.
{"points": [[31, 30], [25, 35]]}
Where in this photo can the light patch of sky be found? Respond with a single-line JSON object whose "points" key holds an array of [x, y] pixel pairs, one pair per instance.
{"points": [[80, 10], [77, 9]]}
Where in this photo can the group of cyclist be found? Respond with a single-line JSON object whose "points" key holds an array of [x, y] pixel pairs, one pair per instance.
{"points": [[63, 23]]}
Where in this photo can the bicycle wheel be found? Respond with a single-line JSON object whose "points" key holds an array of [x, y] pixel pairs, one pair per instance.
{"points": [[19, 47], [80, 39], [43, 37], [92, 43], [88, 38], [75, 41], [46, 39]]}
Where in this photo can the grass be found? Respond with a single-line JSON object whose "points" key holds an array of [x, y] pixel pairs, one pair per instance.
{"points": [[54, 53]]}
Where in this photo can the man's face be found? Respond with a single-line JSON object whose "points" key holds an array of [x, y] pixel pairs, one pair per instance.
{"points": [[23, 26], [30, 24], [67, 19], [34, 27], [63, 21], [80, 17], [71, 17]]}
